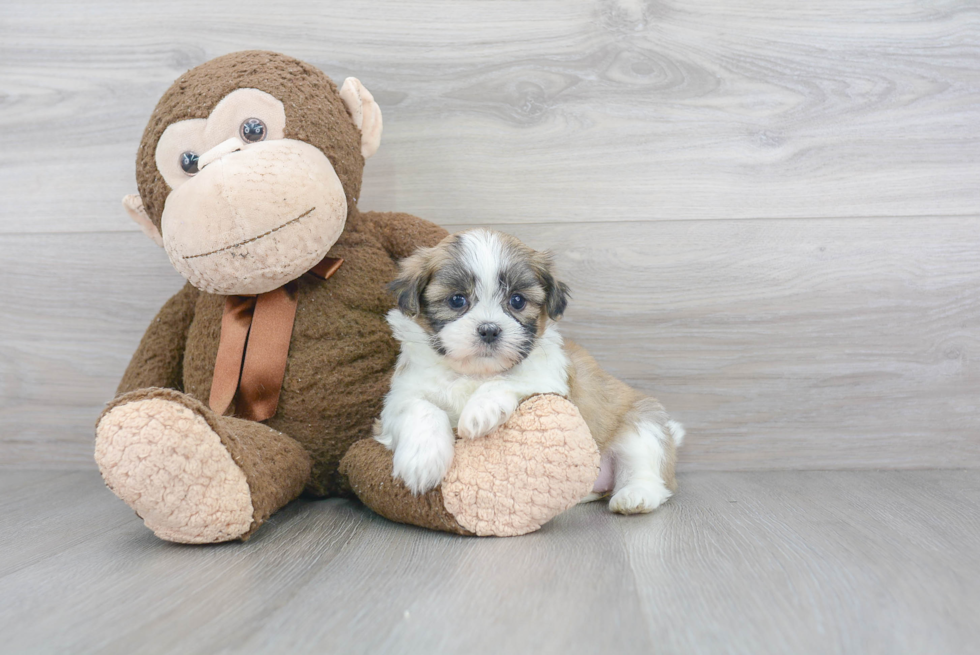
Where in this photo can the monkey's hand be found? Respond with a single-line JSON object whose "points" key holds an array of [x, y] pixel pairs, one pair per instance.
{"points": [[485, 412]]}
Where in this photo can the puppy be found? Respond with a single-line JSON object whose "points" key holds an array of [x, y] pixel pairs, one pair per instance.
{"points": [[476, 322]]}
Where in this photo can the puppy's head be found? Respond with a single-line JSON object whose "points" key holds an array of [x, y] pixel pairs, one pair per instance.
{"points": [[483, 297]]}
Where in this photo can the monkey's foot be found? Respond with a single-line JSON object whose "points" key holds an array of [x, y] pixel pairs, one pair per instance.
{"points": [[160, 455], [539, 463]]}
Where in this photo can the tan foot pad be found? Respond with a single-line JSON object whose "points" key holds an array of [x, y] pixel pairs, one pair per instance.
{"points": [[539, 463], [165, 461]]}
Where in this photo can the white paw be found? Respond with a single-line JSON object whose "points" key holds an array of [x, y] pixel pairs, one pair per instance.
{"points": [[484, 413], [639, 498], [424, 453]]}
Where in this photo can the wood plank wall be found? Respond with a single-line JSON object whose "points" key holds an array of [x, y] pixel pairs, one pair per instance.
{"points": [[768, 211]]}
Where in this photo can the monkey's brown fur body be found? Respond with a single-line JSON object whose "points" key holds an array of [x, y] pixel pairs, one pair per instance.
{"points": [[198, 477], [341, 352]]}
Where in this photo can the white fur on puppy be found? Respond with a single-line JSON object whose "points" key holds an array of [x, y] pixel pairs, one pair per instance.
{"points": [[422, 439], [485, 411]]}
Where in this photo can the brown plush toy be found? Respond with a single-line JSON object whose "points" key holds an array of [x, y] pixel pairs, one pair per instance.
{"points": [[254, 381]]}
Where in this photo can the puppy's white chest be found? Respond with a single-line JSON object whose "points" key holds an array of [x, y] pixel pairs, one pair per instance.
{"points": [[456, 395]]}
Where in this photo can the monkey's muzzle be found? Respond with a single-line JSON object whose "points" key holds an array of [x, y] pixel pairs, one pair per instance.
{"points": [[254, 219]]}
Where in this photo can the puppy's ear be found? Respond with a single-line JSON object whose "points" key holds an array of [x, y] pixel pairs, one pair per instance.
{"points": [[414, 273], [557, 299], [556, 293]]}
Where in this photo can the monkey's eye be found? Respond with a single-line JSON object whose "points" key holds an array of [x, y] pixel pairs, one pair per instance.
{"points": [[188, 162], [252, 130], [458, 301], [517, 301]]}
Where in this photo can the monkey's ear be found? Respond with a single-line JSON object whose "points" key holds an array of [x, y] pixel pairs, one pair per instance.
{"points": [[134, 207], [365, 113]]}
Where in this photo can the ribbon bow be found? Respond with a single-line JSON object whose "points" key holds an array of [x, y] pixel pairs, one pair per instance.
{"points": [[252, 350]]}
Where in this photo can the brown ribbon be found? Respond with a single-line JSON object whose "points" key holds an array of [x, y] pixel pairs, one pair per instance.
{"points": [[252, 350]]}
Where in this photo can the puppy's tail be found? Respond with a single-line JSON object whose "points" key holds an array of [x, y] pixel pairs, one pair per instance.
{"points": [[676, 431]]}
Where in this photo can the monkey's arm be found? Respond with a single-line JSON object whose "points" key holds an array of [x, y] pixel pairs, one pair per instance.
{"points": [[402, 234], [159, 359]]}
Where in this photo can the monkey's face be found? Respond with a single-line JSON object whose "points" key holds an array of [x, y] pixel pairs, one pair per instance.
{"points": [[248, 169], [242, 195]]}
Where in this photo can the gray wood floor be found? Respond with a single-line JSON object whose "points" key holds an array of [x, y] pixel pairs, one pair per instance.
{"points": [[738, 562]]}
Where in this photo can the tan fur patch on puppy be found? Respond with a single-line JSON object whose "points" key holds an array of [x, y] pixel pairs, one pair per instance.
{"points": [[609, 405]]}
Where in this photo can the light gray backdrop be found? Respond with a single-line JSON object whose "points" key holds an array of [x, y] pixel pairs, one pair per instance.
{"points": [[768, 211]]}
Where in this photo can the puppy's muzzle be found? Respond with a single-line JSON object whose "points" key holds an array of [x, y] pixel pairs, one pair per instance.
{"points": [[488, 332]]}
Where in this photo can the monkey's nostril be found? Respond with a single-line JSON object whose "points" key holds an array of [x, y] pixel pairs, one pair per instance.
{"points": [[224, 148], [488, 332]]}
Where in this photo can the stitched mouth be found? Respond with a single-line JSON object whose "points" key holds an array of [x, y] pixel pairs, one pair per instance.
{"points": [[256, 238]]}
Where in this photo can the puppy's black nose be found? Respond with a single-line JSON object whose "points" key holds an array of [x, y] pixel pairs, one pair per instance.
{"points": [[488, 332]]}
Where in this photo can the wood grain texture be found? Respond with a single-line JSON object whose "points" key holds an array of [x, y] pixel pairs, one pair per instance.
{"points": [[749, 562], [555, 111], [826, 316], [780, 344]]}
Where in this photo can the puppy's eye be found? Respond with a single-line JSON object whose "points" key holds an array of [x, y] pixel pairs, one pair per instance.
{"points": [[458, 301], [517, 301], [252, 130], [188, 163]]}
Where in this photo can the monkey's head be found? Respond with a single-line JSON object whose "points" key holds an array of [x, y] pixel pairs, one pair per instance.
{"points": [[249, 167]]}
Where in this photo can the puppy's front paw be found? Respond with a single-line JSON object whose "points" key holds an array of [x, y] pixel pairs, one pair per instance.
{"points": [[639, 498], [423, 454], [484, 413]]}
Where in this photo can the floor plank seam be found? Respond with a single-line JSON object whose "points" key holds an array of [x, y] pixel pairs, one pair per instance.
{"points": [[559, 223]]}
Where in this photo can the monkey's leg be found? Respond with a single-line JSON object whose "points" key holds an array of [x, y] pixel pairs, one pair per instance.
{"points": [[511, 482], [195, 477]]}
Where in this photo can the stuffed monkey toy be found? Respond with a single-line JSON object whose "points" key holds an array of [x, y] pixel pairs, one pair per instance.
{"points": [[271, 364]]}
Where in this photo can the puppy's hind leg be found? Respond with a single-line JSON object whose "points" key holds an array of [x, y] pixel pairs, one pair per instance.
{"points": [[645, 453]]}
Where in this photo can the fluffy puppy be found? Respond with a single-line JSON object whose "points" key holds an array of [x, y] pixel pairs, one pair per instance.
{"points": [[476, 321]]}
